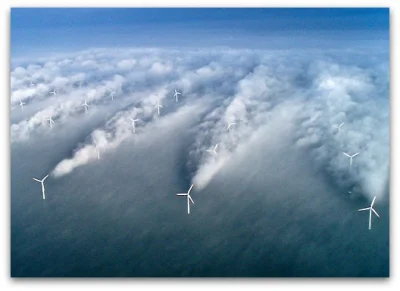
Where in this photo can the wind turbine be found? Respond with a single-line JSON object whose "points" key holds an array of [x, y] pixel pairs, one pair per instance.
{"points": [[86, 106], [133, 124], [51, 121], [188, 198], [32, 85], [111, 94], [42, 182], [213, 150], [158, 106], [21, 104], [338, 126], [54, 92], [230, 124], [97, 149], [176, 95], [371, 209], [351, 157]]}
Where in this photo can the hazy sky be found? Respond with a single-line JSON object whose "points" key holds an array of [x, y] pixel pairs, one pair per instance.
{"points": [[58, 29]]}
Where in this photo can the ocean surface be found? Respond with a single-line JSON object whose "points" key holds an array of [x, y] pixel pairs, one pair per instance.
{"points": [[267, 213]]}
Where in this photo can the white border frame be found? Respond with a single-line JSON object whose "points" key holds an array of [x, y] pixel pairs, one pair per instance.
{"points": [[198, 284]]}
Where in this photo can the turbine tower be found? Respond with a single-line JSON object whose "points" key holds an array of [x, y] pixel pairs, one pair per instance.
{"points": [[42, 182], [133, 124], [188, 198], [176, 95], [351, 158], [371, 209]]}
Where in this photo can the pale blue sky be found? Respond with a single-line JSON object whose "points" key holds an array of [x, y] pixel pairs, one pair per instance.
{"points": [[41, 30]]}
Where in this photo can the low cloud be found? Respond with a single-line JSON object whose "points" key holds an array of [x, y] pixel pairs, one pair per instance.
{"points": [[306, 93]]}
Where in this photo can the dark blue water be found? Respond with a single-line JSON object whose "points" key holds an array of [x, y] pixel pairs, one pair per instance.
{"points": [[263, 215]]}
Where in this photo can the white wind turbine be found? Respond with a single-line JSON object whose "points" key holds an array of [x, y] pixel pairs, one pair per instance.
{"points": [[42, 182], [188, 198], [371, 209], [97, 148], [338, 126], [176, 95], [351, 158], [133, 124], [86, 106], [230, 124], [51, 121], [32, 85], [158, 106], [213, 150], [21, 104], [54, 92], [111, 93]]}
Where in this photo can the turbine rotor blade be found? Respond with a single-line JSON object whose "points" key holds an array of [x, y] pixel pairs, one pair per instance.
{"points": [[191, 199], [190, 189], [373, 201], [362, 209], [376, 213]]}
